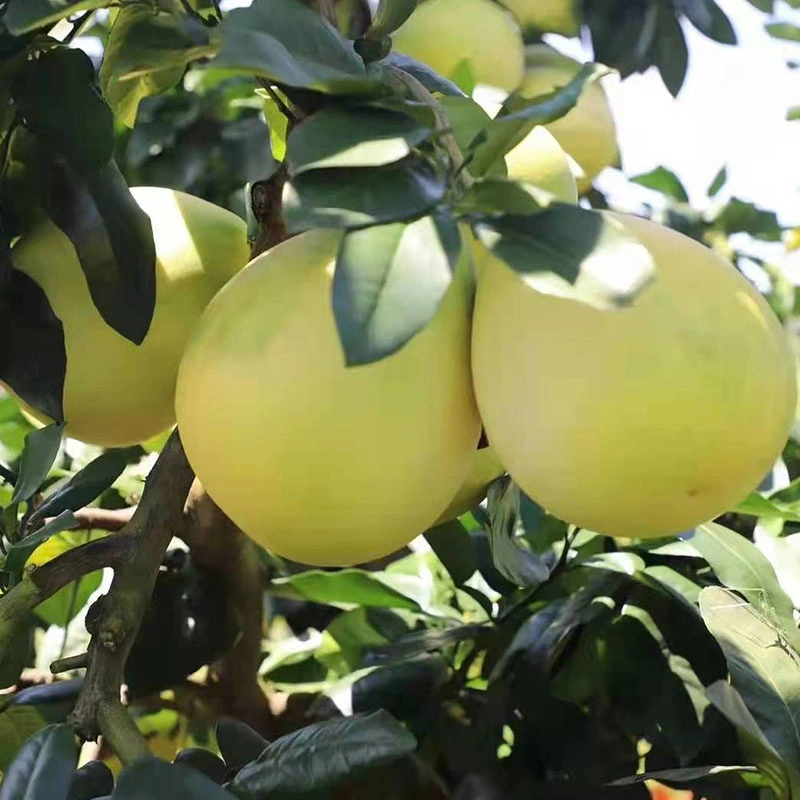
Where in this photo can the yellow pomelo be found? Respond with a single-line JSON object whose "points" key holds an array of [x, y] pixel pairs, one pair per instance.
{"points": [[644, 421], [485, 468], [318, 462], [539, 159], [547, 16], [587, 133], [445, 33], [115, 392]]}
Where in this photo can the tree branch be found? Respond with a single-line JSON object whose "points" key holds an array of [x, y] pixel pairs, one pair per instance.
{"points": [[114, 620]]}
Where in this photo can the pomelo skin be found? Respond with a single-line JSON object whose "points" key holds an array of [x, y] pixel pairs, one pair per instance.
{"points": [[484, 468], [641, 422], [321, 463], [444, 33], [587, 133], [117, 393], [547, 16], [540, 160]]}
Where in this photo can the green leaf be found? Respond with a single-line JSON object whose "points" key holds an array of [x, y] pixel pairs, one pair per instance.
{"points": [[43, 767], [26, 15], [391, 14], [739, 216], [495, 194], [33, 361], [741, 566], [753, 743], [278, 125], [765, 670], [429, 78], [146, 54], [757, 505], [665, 181], [353, 137], [571, 252], [92, 780], [389, 283], [238, 743], [152, 777], [17, 724], [783, 30], [427, 641], [710, 20], [113, 239], [38, 457], [514, 561], [520, 115], [688, 775], [455, 549], [720, 179], [289, 43], [322, 755], [669, 51], [783, 553], [348, 587], [353, 198], [16, 649], [767, 6], [58, 98], [20, 552], [86, 485]]}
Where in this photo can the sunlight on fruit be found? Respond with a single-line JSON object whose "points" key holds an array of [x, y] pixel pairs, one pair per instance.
{"points": [[540, 160], [485, 468], [587, 133], [640, 422], [446, 33], [321, 463], [118, 393], [549, 16]]}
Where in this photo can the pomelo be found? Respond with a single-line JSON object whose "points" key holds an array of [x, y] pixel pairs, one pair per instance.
{"points": [[117, 393], [640, 422], [539, 159], [446, 33], [484, 468], [547, 16], [322, 463], [587, 133]]}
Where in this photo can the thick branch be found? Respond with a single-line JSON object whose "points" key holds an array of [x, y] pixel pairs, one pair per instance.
{"points": [[102, 519], [265, 199], [114, 619]]}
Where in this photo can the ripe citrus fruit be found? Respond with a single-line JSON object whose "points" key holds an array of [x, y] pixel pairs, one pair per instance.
{"points": [[587, 133], [644, 421], [322, 463], [115, 392], [484, 468], [547, 16], [447, 33], [540, 160]]}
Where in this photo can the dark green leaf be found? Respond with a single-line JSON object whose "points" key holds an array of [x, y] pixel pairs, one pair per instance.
{"points": [[741, 566], [688, 775], [353, 198], [389, 283], [38, 456], [113, 239], [85, 486], [20, 552], [720, 179], [15, 652], [514, 561], [768, 6], [739, 216], [91, 780], [238, 743], [203, 761], [289, 43], [783, 30], [428, 77], [454, 548], [520, 115], [426, 641], [355, 137], [33, 359], [58, 98], [43, 767], [757, 505], [709, 19], [665, 181], [323, 755], [152, 777], [26, 15], [765, 669], [391, 14], [17, 725], [146, 54], [669, 51], [346, 587], [571, 252]]}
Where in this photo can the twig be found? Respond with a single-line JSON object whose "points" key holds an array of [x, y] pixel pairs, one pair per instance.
{"points": [[217, 9], [77, 27], [102, 519], [114, 620], [207, 21], [69, 664], [278, 100]]}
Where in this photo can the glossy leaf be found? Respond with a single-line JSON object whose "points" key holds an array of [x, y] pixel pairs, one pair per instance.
{"points": [[92, 780], [289, 43], [38, 456], [759, 506], [146, 54], [709, 19], [204, 762], [238, 743], [26, 15], [152, 777], [20, 551], [353, 198], [426, 641], [113, 239], [571, 252], [43, 767], [764, 667], [669, 51], [454, 548], [391, 14], [665, 181], [355, 137], [687, 775], [429, 78], [389, 283], [322, 755]]}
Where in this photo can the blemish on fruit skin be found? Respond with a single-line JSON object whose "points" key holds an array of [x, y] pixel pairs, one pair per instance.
{"points": [[692, 492]]}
